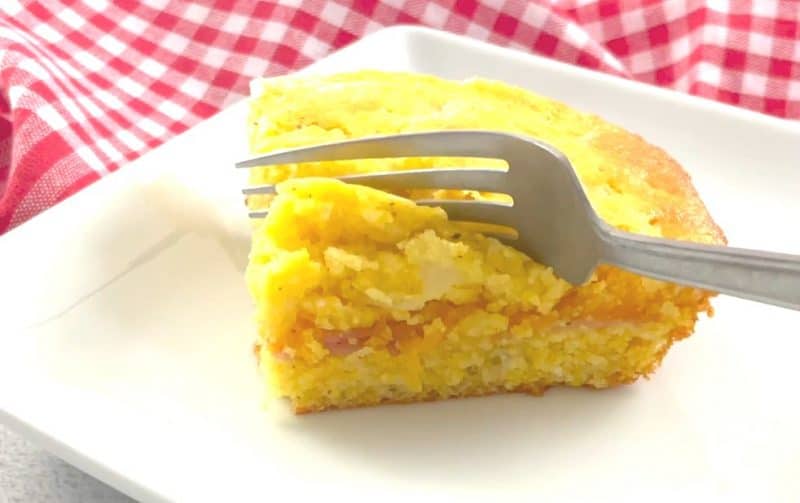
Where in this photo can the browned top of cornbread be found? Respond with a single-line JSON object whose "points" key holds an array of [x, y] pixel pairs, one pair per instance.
{"points": [[632, 184]]}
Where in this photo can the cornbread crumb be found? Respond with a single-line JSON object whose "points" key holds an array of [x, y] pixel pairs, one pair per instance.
{"points": [[363, 297]]}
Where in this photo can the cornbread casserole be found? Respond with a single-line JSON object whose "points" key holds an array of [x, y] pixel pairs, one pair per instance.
{"points": [[364, 297]]}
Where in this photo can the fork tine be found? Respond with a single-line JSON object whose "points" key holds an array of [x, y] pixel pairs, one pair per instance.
{"points": [[489, 212], [426, 144], [503, 237], [483, 179]]}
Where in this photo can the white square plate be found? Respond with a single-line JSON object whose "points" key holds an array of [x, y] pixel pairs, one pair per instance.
{"points": [[125, 344]]}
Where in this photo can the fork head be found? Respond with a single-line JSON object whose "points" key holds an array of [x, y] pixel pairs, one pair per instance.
{"points": [[555, 222]]}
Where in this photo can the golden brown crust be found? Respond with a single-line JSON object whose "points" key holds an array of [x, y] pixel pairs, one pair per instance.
{"points": [[686, 214], [314, 109]]}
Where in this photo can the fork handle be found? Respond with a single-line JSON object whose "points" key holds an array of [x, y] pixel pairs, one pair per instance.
{"points": [[771, 278]]}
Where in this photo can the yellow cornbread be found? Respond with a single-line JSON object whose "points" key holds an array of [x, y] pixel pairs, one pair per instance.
{"points": [[363, 297]]}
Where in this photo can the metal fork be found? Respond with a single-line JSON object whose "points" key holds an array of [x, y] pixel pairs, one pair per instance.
{"points": [[557, 225]]}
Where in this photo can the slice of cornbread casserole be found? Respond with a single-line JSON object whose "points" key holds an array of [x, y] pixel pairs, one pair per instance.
{"points": [[364, 297]]}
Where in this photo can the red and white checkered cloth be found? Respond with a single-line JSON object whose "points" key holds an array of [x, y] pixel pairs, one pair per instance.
{"points": [[86, 86]]}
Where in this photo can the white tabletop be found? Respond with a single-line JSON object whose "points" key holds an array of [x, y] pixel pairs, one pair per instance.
{"points": [[30, 474]]}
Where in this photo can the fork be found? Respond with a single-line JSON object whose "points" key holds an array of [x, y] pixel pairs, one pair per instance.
{"points": [[556, 224]]}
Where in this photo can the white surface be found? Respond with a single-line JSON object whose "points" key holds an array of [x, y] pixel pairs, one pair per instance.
{"points": [[126, 339]]}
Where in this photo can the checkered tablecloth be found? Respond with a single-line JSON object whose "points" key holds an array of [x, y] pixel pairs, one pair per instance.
{"points": [[86, 86]]}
